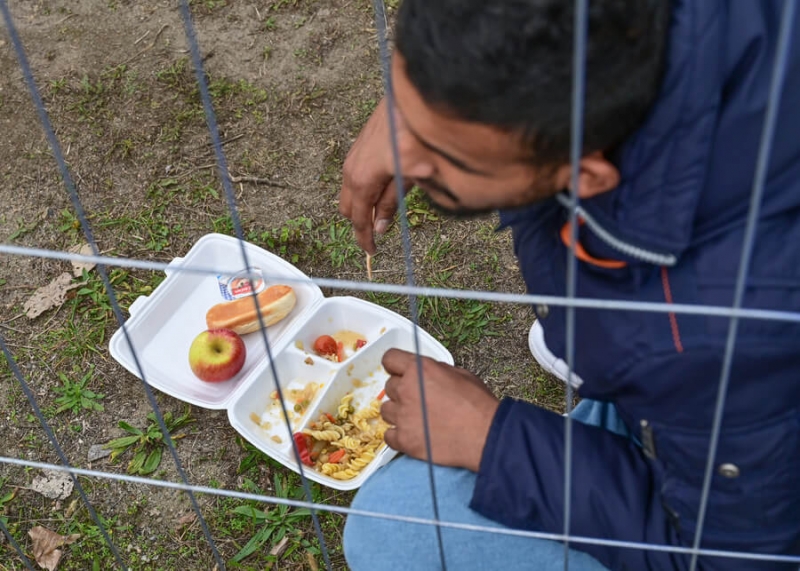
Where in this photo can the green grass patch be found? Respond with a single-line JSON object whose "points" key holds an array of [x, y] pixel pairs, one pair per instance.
{"points": [[147, 444]]}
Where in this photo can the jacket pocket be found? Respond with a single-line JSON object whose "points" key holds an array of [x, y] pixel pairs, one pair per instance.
{"points": [[755, 484]]}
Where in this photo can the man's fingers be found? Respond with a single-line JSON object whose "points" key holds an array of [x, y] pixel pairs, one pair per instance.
{"points": [[389, 411], [397, 361], [345, 199], [391, 439], [385, 208], [361, 212], [391, 388]]}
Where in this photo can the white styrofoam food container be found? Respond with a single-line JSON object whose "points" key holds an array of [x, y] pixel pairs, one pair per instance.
{"points": [[163, 326]]}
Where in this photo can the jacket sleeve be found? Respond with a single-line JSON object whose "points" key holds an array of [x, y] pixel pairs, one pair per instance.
{"points": [[521, 481]]}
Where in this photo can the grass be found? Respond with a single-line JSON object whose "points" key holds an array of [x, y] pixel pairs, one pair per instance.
{"points": [[76, 396], [272, 525], [140, 155], [147, 444], [6, 497]]}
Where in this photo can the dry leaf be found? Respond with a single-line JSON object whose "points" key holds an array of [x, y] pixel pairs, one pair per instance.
{"points": [[49, 296], [46, 544], [187, 519], [78, 267], [280, 547], [55, 485], [312, 562]]}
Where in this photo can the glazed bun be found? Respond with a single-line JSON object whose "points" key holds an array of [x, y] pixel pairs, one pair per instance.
{"points": [[275, 303]]}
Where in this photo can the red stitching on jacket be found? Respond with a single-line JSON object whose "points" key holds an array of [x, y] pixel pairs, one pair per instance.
{"points": [[673, 320]]}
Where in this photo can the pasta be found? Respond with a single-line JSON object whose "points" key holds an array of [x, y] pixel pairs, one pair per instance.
{"points": [[342, 446], [346, 474], [345, 408], [372, 411], [348, 443], [361, 462], [329, 468], [324, 435]]}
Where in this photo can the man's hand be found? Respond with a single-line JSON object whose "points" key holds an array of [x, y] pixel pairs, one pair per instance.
{"points": [[460, 410], [368, 180]]}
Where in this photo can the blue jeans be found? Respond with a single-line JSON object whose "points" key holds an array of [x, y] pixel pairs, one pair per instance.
{"points": [[403, 488]]}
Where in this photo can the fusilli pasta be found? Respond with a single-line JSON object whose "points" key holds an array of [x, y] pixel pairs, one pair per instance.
{"points": [[342, 446]]}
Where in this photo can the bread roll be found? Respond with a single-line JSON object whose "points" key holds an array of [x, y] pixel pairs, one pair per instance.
{"points": [[275, 303]]}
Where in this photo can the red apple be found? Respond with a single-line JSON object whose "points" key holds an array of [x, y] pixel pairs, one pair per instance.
{"points": [[217, 355]]}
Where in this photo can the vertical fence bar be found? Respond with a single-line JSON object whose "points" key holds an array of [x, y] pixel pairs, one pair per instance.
{"points": [[764, 151], [580, 24], [101, 270], [380, 25], [222, 166], [29, 80]]}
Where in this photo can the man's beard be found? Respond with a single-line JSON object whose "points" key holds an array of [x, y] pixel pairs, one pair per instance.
{"points": [[538, 193], [461, 213]]}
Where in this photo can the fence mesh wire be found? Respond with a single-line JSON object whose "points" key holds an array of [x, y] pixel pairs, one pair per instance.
{"points": [[735, 313]]}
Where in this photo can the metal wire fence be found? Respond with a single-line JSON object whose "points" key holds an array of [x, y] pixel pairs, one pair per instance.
{"points": [[735, 313]]}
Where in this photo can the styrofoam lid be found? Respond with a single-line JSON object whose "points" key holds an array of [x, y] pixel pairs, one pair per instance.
{"points": [[163, 325]]}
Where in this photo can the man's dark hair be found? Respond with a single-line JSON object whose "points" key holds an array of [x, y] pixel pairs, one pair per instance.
{"points": [[508, 63]]}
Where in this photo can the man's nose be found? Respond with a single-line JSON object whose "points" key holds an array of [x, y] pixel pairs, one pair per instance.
{"points": [[415, 159]]}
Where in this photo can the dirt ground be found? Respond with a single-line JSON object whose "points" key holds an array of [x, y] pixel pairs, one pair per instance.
{"points": [[292, 82]]}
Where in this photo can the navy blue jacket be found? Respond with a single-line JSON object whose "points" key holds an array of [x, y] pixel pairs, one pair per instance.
{"points": [[687, 175]]}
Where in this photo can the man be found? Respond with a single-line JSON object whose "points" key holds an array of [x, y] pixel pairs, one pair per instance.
{"points": [[675, 104]]}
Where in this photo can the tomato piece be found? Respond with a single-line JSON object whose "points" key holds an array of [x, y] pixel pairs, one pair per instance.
{"points": [[301, 441], [360, 343], [336, 457], [340, 352], [325, 345]]}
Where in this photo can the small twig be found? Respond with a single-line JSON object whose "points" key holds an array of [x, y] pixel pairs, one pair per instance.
{"points": [[278, 550], [147, 33], [13, 319], [356, 274], [148, 48], [232, 139], [62, 20], [13, 346], [12, 288], [186, 529], [257, 180], [158, 34], [133, 57], [195, 169], [45, 327], [238, 179]]}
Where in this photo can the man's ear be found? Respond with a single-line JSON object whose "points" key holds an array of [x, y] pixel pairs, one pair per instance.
{"points": [[597, 175]]}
